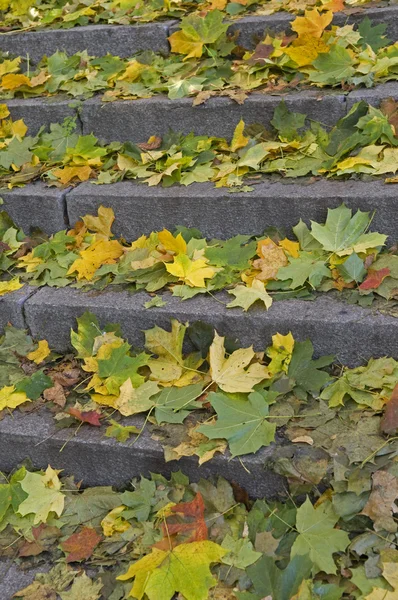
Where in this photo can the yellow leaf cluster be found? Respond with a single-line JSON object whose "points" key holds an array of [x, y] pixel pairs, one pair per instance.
{"points": [[313, 23], [192, 272], [101, 252]]}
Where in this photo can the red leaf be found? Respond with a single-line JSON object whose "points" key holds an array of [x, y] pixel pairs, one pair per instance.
{"points": [[91, 416], [44, 537], [374, 278], [186, 525], [389, 422], [80, 546]]}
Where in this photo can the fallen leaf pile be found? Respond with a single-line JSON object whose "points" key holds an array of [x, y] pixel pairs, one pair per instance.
{"points": [[200, 403], [37, 14], [362, 143], [340, 255], [205, 62]]}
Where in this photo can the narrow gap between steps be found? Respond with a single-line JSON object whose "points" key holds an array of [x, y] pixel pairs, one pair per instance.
{"points": [[25, 320]]}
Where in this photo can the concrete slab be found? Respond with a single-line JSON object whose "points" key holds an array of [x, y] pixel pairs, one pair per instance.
{"points": [[373, 96], [98, 460], [12, 307], [352, 333], [219, 213], [137, 120], [41, 112], [13, 579], [36, 206], [98, 40]]}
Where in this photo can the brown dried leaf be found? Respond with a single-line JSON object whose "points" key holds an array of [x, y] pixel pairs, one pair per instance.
{"points": [[381, 504], [389, 422]]}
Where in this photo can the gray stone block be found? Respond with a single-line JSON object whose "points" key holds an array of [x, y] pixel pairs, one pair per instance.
{"points": [[98, 40], [97, 460], [12, 307], [137, 120], [373, 96], [13, 579], [39, 112], [352, 333], [140, 209], [36, 206]]}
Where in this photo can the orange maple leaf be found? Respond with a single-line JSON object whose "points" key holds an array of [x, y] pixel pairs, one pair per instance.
{"points": [[187, 524]]}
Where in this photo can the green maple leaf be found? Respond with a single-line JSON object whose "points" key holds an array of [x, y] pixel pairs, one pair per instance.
{"points": [[286, 122], [269, 580], [156, 302], [173, 405], [352, 269], [235, 252], [120, 366], [121, 433], [43, 495], [243, 423], [245, 296], [308, 266], [306, 372], [34, 385], [343, 232], [83, 587], [333, 67], [184, 569], [12, 494], [18, 153], [373, 35], [141, 500], [88, 330], [240, 552], [317, 536]]}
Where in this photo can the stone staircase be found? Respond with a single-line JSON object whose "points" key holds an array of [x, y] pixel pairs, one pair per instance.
{"points": [[351, 332]]}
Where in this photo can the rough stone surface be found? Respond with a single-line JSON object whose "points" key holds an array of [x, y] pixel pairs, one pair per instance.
{"points": [[137, 120], [13, 579], [352, 333], [12, 307], [36, 205], [39, 112], [373, 96], [98, 40], [216, 212], [103, 461]]}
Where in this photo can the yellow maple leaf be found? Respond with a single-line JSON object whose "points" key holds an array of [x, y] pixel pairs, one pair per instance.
{"points": [[133, 71], [29, 262], [41, 352], [10, 286], [13, 81], [306, 49], [173, 244], [290, 247], [272, 258], [114, 522], [183, 42], [101, 252], [43, 495], [19, 128], [67, 174], [101, 224], [4, 112], [235, 373], [313, 23], [192, 272], [238, 139], [9, 398], [218, 4], [280, 352], [184, 569]]}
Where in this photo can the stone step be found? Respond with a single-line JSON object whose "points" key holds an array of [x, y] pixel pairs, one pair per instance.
{"points": [[98, 460], [350, 332], [125, 40], [137, 120], [216, 212]]}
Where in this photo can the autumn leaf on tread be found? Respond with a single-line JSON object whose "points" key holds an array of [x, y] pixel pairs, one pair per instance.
{"points": [[174, 244], [10, 286], [272, 258], [187, 524], [389, 422], [41, 353], [68, 174], [43, 495], [313, 23], [185, 569], [81, 545], [91, 417], [235, 373], [10, 398], [374, 278], [246, 296], [381, 507], [192, 272], [102, 223], [13, 81], [101, 252]]}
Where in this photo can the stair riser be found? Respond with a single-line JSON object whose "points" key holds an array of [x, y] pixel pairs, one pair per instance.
{"points": [[137, 120], [102, 461], [351, 333], [127, 40]]}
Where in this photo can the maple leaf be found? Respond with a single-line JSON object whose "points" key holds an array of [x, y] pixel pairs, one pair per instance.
{"points": [[192, 272], [114, 522], [102, 223], [41, 352], [69, 173], [44, 495], [374, 278], [195, 32], [184, 569], [117, 366], [14, 81], [238, 139], [121, 433], [235, 373], [389, 561], [313, 23], [83, 587], [243, 423], [101, 252], [315, 525], [10, 286], [272, 258], [381, 506], [81, 545], [246, 296], [92, 417], [174, 244], [186, 524], [10, 398], [271, 582], [280, 352]]}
